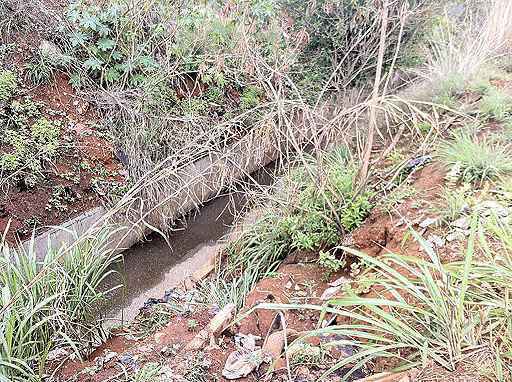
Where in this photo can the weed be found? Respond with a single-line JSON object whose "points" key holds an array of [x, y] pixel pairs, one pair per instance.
{"points": [[424, 127], [46, 61], [8, 85], [427, 310], [192, 325], [391, 201], [454, 203], [61, 198], [43, 310], [478, 159], [496, 104], [250, 98], [329, 261], [148, 373]]}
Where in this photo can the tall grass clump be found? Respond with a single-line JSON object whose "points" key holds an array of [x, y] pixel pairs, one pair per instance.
{"points": [[421, 311], [477, 159], [460, 47], [49, 304]]}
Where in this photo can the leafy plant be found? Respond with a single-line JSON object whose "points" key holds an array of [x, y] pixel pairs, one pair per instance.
{"points": [[8, 85], [111, 46], [329, 261]]}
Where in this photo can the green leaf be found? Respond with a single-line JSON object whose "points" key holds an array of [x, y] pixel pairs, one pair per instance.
{"points": [[112, 75], [106, 44], [78, 38], [89, 21], [93, 64]]}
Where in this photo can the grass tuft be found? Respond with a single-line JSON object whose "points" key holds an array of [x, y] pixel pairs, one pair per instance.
{"points": [[478, 159]]}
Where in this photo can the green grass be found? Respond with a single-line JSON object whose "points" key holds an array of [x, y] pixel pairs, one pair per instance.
{"points": [[478, 159], [49, 304], [315, 205], [427, 311], [496, 105]]}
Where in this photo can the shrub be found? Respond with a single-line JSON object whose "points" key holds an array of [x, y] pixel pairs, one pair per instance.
{"points": [[8, 85], [478, 159]]}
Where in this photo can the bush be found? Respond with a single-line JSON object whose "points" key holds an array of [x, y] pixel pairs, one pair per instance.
{"points": [[8, 85]]}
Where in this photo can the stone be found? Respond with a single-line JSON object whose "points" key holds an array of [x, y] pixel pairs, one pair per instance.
{"points": [[428, 222], [288, 285], [340, 282], [241, 363], [437, 241], [491, 207], [455, 235], [330, 293], [462, 223], [216, 326], [56, 354]]}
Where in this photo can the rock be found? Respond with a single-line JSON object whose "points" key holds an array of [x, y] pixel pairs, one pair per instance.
{"points": [[247, 342], [216, 326], [455, 235], [49, 49], [241, 363], [428, 222], [437, 241], [330, 293], [417, 162], [128, 360], [288, 285], [340, 282], [170, 351], [56, 354], [462, 223], [490, 208]]}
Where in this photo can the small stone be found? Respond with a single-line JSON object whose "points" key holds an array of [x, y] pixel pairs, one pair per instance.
{"points": [[168, 351], [462, 223], [490, 207], [329, 293], [288, 285], [455, 235], [428, 222], [339, 282], [437, 241], [56, 354], [241, 363], [110, 355], [75, 103]]}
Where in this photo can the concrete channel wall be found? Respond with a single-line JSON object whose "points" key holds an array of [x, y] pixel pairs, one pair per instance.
{"points": [[193, 185]]}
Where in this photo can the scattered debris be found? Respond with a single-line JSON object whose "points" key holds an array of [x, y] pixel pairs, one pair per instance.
{"points": [[241, 363], [330, 293], [214, 328]]}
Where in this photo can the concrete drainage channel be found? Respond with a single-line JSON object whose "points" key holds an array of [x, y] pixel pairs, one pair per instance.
{"points": [[151, 267]]}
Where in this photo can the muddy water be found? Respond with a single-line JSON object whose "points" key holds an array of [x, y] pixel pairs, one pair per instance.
{"points": [[152, 267]]}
